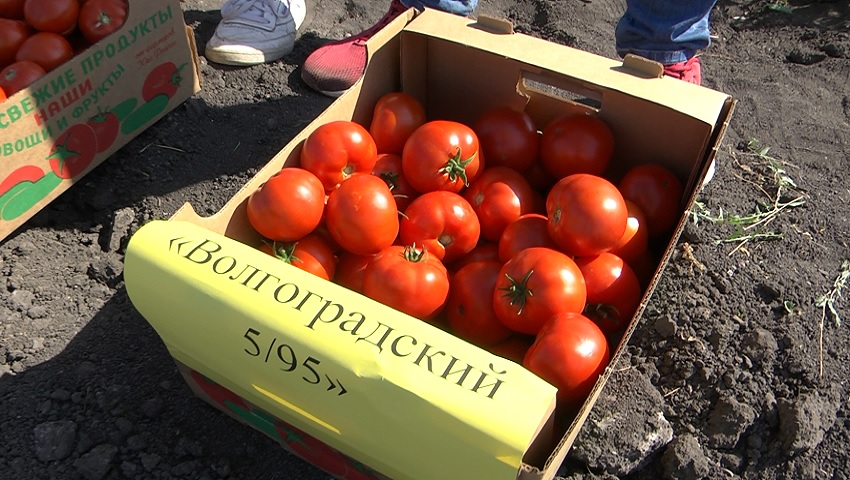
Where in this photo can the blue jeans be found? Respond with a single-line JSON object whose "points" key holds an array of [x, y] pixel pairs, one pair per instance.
{"points": [[667, 31], [459, 7]]}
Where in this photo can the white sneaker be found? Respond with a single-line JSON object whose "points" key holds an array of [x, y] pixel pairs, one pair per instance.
{"points": [[709, 174], [255, 31]]}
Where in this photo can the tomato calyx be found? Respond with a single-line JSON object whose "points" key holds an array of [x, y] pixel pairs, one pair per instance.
{"points": [[413, 254], [518, 291], [456, 167], [284, 251], [601, 311]]}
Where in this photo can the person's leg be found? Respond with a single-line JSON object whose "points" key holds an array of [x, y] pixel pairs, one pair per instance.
{"points": [[334, 68], [670, 32], [255, 31]]}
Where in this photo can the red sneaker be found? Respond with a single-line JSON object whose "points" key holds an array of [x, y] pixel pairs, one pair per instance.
{"points": [[334, 68], [689, 70]]}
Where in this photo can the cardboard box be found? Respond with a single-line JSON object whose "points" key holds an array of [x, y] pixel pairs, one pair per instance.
{"points": [[355, 387], [70, 121]]}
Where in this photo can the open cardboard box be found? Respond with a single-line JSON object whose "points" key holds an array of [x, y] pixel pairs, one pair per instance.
{"points": [[355, 387], [65, 124]]}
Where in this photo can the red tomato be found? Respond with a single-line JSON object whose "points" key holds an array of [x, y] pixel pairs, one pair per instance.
{"points": [[535, 285], [484, 251], [469, 309], [529, 230], [362, 216], [338, 150], [350, 268], [613, 291], [395, 117], [2, 95], [57, 16], [12, 35], [635, 240], [73, 151], [409, 279], [47, 49], [441, 155], [105, 126], [287, 206], [539, 179], [576, 143], [499, 196], [99, 18], [508, 138], [12, 9], [165, 78], [513, 348], [310, 253], [587, 214], [19, 76], [388, 167], [658, 192], [570, 352], [443, 222]]}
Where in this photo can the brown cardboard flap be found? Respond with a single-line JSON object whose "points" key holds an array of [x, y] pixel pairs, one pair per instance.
{"points": [[643, 66]]}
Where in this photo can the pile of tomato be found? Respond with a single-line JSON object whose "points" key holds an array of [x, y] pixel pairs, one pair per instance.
{"points": [[508, 236], [37, 36]]}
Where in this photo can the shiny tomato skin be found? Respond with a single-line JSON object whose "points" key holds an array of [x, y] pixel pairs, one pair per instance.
{"points": [[99, 18], [587, 214], [11, 9], [658, 192], [508, 138], [613, 291], [349, 270], [469, 310], [73, 151], [338, 150], [443, 222], [570, 352], [576, 143], [408, 279], [395, 117], [57, 16], [361, 215], [442, 155], [13, 33], [287, 206], [635, 240], [388, 167], [536, 284], [499, 196], [20, 75], [529, 230], [47, 49], [311, 253]]}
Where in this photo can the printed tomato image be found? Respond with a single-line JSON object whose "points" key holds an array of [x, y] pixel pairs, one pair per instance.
{"points": [[270, 208], [57, 16], [47, 49], [165, 79], [441, 155], [12, 34], [613, 291], [469, 310], [337, 150], [24, 173], [570, 352], [19, 76], [395, 117], [443, 222], [73, 151], [576, 143], [508, 138], [99, 18], [361, 215], [105, 126], [658, 192], [311, 253]]}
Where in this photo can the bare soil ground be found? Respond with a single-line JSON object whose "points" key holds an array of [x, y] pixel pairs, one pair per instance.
{"points": [[739, 367]]}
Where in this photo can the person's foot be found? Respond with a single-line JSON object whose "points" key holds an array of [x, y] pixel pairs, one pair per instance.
{"points": [[334, 68], [252, 32], [689, 70]]}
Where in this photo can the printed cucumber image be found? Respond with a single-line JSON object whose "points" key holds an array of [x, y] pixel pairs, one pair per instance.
{"points": [[24, 194]]}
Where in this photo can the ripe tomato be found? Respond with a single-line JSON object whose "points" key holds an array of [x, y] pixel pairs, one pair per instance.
{"points": [[288, 206], [19, 76], [658, 192], [469, 310], [635, 240], [2, 95], [12, 9], [409, 279], [47, 49], [576, 143], [587, 214], [535, 285], [350, 268], [508, 138], [73, 151], [57, 16], [613, 291], [499, 196], [513, 348], [443, 222], [396, 115], [388, 167], [12, 35], [311, 253], [570, 352], [337, 150], [484, 251], [361, 215], [441, 155], [99, 18], [529, 230]]}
